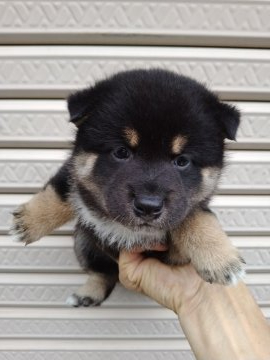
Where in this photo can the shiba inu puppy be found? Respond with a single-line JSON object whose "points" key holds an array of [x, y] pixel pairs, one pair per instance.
{"points": [[146, 159]]}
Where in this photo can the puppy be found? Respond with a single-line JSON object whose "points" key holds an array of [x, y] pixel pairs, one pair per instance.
{"points": [[147, 157]]}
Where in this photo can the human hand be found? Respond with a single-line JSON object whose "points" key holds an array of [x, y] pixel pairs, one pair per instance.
{"points": [[220, 322], [171, 286]]}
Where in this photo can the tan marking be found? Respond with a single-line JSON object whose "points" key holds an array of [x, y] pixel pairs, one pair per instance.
{"points": [[96, 286], [45, 212], [201, 240], [84, 164], [83, 167], [210, 177], [132, 137], [200, 229], [177, 144]]}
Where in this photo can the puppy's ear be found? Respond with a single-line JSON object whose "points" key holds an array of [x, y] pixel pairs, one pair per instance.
{"points": [[79, 105], [229, 118]]}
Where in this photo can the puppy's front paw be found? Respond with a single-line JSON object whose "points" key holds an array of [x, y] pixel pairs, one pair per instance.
{"points": [[227, 271], [22, 228]]}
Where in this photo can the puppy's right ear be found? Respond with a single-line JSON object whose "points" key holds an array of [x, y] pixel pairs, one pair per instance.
{"points": [[79, 105]]}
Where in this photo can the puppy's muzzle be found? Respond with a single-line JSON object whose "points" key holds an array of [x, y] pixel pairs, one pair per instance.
{"points": [[148, 207]]}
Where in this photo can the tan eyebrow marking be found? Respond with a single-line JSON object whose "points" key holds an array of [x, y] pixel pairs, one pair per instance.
{"points": [[132, 137], [178, 143]]}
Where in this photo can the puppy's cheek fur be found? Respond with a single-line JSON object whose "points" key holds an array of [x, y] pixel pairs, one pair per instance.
{"points": [[84, 164], [119, 205], [210, 177], [88, 188], [177, 210], [41, 215]]}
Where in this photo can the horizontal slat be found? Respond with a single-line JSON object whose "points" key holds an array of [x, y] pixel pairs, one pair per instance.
{"points": [[91, 323], [38, 123], [44, 123], [247, 172], [95, 349], [243, 214], [62, 241], [254, 129], [27, 170], [236, 74], [78, 354], [53, 289], [92, 313], [218, 23], [237, 214], [55, 254]]}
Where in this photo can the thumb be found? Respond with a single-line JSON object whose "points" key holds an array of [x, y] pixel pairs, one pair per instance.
{"points": [[134, 267], [130, 273]]}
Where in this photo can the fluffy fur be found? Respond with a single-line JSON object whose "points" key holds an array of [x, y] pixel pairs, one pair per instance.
{"points": [[146, 160]]}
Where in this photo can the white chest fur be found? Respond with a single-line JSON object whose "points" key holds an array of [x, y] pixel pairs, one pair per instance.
{"points": [[113, 233]]}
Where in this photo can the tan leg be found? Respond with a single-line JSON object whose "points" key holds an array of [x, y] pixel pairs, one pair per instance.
{"points": [[201, 241], [45, 212], [96, 289]]}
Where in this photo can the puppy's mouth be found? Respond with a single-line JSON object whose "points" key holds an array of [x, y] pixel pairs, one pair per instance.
{"points": [[146, 225], [139, 224]]}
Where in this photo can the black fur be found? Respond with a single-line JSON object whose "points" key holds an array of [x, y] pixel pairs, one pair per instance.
{"points": [[89, 249], [159, 105], [61, 180]]}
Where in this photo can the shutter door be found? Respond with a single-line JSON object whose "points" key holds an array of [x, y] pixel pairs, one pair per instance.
{"points": [[49, 48]]}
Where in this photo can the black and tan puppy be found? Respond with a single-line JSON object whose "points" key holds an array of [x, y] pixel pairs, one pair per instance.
{"points": [[146, 160]]}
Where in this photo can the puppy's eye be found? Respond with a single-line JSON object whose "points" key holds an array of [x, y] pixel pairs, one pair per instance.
{"points": [[182, 162], [121, 153]]}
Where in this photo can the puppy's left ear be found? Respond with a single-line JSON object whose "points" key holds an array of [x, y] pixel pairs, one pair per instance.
{"points": [[229, 117]]}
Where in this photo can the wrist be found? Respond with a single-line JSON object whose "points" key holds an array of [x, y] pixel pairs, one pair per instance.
{"points": [[227, 321], [189, 291]]}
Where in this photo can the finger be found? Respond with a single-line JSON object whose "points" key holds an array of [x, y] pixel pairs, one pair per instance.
{"points": [[158, 247], [126, 257]]}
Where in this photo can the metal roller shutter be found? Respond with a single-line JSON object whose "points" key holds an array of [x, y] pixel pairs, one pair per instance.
{"points": [[49, 48], [213, 22]]}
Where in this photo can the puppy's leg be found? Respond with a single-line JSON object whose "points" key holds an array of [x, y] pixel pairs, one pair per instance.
{"points": [[46, 211], [102, 270], [201, 240]]}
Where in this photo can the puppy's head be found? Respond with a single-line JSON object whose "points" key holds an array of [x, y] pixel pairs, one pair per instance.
{"points": [[149, 147]]}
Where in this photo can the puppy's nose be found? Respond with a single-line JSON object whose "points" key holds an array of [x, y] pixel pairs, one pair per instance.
{"points": [[148, 206]]}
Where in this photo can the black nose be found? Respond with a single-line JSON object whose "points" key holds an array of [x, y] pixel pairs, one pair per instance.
{"points": [[148, 206]]}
